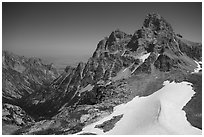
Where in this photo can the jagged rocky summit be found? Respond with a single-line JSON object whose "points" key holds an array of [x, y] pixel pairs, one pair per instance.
{"points": [[38, 100]]}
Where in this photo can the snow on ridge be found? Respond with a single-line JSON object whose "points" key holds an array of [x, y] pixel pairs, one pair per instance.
{"points": [[196, 70], [159, 113]]}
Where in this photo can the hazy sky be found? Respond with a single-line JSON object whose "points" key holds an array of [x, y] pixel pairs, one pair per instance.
{"points": [[74, 29]]}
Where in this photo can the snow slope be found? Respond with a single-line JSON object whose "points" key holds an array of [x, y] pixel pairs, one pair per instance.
{"points": [[159, 113]]}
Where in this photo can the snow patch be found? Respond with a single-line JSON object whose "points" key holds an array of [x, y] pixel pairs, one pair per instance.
{"points": [[125, 73], [159, 113], [145, 56], [125, 69], [108, 83], [89, 87]]}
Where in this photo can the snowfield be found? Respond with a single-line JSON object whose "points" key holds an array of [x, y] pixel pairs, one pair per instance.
{"points": [[159, 113]]}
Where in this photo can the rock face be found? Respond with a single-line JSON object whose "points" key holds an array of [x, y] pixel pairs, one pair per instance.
{"points": [[105, 80], [191, 49]]}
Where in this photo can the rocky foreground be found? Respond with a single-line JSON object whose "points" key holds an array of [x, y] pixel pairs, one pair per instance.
{"points": [[38, 100]]}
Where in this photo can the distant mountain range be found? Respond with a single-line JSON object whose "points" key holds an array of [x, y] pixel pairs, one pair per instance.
{"points": [[61, 62], [39, 99]]}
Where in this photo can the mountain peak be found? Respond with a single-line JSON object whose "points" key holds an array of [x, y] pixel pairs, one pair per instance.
{"points": [[156, 22]]}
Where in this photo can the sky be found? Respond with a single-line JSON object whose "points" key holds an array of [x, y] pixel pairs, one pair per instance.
{"points": [[74, 29]]}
